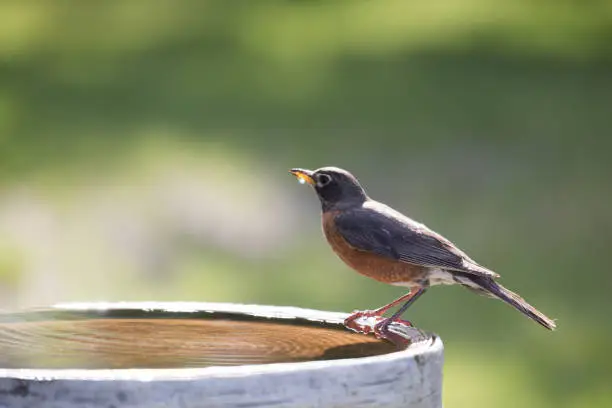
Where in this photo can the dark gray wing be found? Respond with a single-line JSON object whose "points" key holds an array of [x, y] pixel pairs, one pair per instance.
{"points": [[379, 229]]}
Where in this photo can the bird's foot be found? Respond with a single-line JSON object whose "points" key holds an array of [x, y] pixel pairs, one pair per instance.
{"points": [[351, 321], [379, 325], [382, 327], [371, 321], [381, 331]]}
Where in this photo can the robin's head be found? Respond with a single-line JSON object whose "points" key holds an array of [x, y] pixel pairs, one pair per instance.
{"points": [[335, 187]]}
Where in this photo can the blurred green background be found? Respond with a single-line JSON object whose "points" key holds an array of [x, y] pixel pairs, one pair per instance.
{"points": [[144, 149]]}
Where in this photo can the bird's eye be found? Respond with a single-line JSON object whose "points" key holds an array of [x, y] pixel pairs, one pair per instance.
{"points": [[323, 180]]}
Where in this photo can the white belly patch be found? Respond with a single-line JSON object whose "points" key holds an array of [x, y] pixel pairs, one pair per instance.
{"points": [[440, 277]]}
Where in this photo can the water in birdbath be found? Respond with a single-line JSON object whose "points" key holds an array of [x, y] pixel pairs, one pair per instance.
{"points": [[132, 337]]}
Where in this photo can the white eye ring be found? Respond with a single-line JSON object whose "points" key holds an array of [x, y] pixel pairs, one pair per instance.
{"points": [[323, 180]]}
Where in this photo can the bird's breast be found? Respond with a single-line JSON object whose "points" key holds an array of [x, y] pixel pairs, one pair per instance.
{"points": [[367, 263]]}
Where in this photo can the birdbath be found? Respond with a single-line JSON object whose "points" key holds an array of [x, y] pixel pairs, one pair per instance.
{"points": [[209, 355]]}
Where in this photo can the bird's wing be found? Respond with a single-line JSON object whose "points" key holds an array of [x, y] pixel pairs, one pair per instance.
{"points": [[383, 231]]}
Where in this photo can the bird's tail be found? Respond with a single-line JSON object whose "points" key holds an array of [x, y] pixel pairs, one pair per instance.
{"points": [[493, 288]]}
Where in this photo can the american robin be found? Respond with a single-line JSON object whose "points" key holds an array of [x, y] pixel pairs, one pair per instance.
{"points": [[383, 244]]}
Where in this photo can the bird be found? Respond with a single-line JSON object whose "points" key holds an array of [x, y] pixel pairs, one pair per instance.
{"points": [[383, 244]]}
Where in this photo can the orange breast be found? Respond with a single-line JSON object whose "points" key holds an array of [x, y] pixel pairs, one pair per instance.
{"points": [[366, 263]]}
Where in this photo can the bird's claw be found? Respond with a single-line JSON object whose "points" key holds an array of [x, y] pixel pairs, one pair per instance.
{"points": [[351, 321], [381, 331], [363, 328], [380, 326]]}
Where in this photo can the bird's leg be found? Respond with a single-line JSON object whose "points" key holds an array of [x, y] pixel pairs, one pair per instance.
{"points": [[351, 323], [381, 329]]}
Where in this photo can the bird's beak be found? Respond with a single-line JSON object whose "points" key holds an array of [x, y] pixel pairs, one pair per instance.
{"points": [[303, 175]]}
